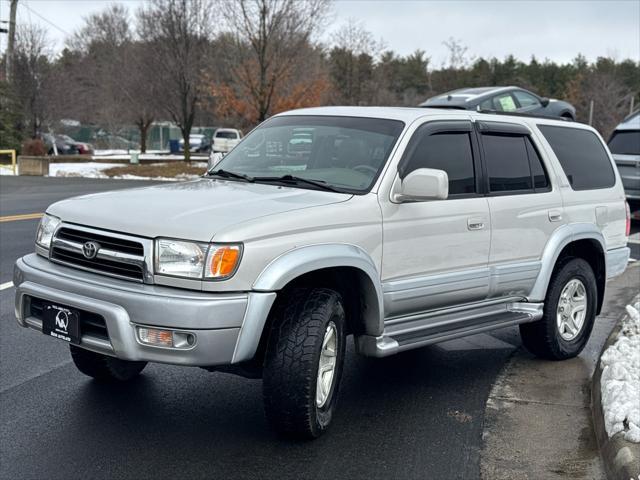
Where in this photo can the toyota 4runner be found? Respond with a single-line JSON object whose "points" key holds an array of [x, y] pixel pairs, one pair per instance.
{"points": [[400, 227]]}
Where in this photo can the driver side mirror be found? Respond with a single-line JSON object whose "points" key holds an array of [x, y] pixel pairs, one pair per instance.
{"points": [[544, 101], [420, 185]]}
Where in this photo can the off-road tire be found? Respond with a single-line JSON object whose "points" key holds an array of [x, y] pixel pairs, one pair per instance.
{"points": [[104, 368], [292, 360], [542, 338]]}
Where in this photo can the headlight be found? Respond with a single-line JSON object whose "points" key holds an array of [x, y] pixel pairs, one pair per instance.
{"points": [[48, 225], [196, 260]]}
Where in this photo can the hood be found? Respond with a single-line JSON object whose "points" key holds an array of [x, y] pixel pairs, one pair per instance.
{"points": [[189, 210]]}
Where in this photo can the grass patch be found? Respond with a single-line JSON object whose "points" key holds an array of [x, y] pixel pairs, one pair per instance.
{"points": [[168, 170]]}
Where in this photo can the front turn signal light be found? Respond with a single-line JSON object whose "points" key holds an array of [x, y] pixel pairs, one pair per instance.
{"points": [[222, 261]]}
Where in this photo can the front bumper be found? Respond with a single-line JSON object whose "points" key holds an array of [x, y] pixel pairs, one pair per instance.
{"points": [[227, 326]]}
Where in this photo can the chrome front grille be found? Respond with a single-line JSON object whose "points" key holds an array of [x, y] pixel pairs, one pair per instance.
{"points": [[117, 256]]}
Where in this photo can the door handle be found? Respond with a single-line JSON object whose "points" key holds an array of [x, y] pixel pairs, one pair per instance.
{"points": [[475, 223], [555, 215]]}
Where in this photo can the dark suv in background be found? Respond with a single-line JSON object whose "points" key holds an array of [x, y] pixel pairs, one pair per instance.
{"points": [[502, 99]]}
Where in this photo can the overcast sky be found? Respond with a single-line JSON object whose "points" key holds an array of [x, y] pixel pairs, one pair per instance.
{"points": [[553, 29]]}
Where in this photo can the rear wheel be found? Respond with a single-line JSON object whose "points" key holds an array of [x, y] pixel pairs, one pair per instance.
{"points": [[303, 363], [104, 368], [569, 313]]}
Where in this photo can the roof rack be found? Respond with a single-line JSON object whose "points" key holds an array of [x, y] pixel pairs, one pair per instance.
{"points": [[527, 115]]}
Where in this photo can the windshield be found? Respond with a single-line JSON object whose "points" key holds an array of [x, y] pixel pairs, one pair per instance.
{"points": [[625, 142], [226, 134], [347, 153]]}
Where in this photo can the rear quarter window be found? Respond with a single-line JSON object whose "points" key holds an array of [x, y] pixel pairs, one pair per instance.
{"points": [[625, 142], [582, 157]]}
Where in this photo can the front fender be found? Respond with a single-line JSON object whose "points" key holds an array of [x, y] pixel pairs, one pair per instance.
{"points": [[291, 265], [294, 263]]}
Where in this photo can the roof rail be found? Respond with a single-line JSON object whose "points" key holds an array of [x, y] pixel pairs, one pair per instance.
{"points": [[528, 115]]}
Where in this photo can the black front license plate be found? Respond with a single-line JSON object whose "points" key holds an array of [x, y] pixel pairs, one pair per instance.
{"points": [[61, 322]]}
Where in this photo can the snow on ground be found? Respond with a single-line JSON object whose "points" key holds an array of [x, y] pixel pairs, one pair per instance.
{"points": [[86, 170], [159, 155], [6, 171], [100, 153], [178, 178], [620, 383], [96, 170]]}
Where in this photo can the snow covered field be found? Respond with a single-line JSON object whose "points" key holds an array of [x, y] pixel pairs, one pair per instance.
{"points": [[87, 170], [96, 170], [158, 155], [620, 383]]}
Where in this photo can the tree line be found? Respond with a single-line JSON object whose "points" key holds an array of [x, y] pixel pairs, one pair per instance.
{"points": [[236, 63]]}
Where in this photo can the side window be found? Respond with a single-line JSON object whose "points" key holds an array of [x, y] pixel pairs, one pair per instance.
{"points": [[504, 103], [448, 151], [540, 179], [525, 99], [507, 163], [487, 105], [582, 157]]}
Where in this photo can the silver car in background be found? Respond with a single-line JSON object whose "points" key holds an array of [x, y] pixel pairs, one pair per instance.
{"points": [[625, 148]]}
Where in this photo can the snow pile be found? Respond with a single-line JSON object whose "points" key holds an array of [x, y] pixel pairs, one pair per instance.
{"points": [[86, 170], [96, 170], [181, 177], [157, 155], [620, 383], [6, 171]]}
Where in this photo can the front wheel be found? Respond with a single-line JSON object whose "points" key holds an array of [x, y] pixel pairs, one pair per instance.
{"points": [[569, 312], [303, 362]]}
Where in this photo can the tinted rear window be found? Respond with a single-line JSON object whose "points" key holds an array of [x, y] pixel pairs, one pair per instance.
{"points": [[582, 156], [507, 163], [625, 142], [232, 135]]}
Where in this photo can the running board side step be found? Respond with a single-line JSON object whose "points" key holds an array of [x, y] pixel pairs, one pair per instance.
{"points": [[414, 331]]}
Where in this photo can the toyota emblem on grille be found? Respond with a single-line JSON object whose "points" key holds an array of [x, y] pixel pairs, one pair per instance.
{"points": [[90, 249]]}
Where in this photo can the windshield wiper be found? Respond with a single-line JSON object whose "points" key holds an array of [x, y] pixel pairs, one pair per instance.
{"points": [[228, 174], [293, 179]]}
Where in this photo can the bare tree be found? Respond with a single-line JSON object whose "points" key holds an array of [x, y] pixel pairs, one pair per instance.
{"points": [[457, 54], [179, 34], [271, 38], [110, 73], [355, 38], [30, 75], [95, 71], [608, 94], [111, 26], [352, 64]]}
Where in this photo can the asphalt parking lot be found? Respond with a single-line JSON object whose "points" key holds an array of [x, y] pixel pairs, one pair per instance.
{"points": [[415, 415]]}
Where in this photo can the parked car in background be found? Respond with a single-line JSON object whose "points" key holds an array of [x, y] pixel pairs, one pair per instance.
{"points": [[106, 141], [83, 148], [225, 139], [60, 144], [198, 143], [625, 148], [502, 99]]}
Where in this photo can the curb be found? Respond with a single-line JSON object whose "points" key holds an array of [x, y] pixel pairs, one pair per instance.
{"points": [[621, 458]]}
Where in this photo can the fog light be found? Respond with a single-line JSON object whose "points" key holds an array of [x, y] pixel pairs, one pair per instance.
{"points": [[165, 338]]}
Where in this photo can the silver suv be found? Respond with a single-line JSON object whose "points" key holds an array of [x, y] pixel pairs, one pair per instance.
{"points": [[401, 227]]}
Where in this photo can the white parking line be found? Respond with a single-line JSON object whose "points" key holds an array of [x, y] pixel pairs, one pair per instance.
{"points": [[4, 286]]}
